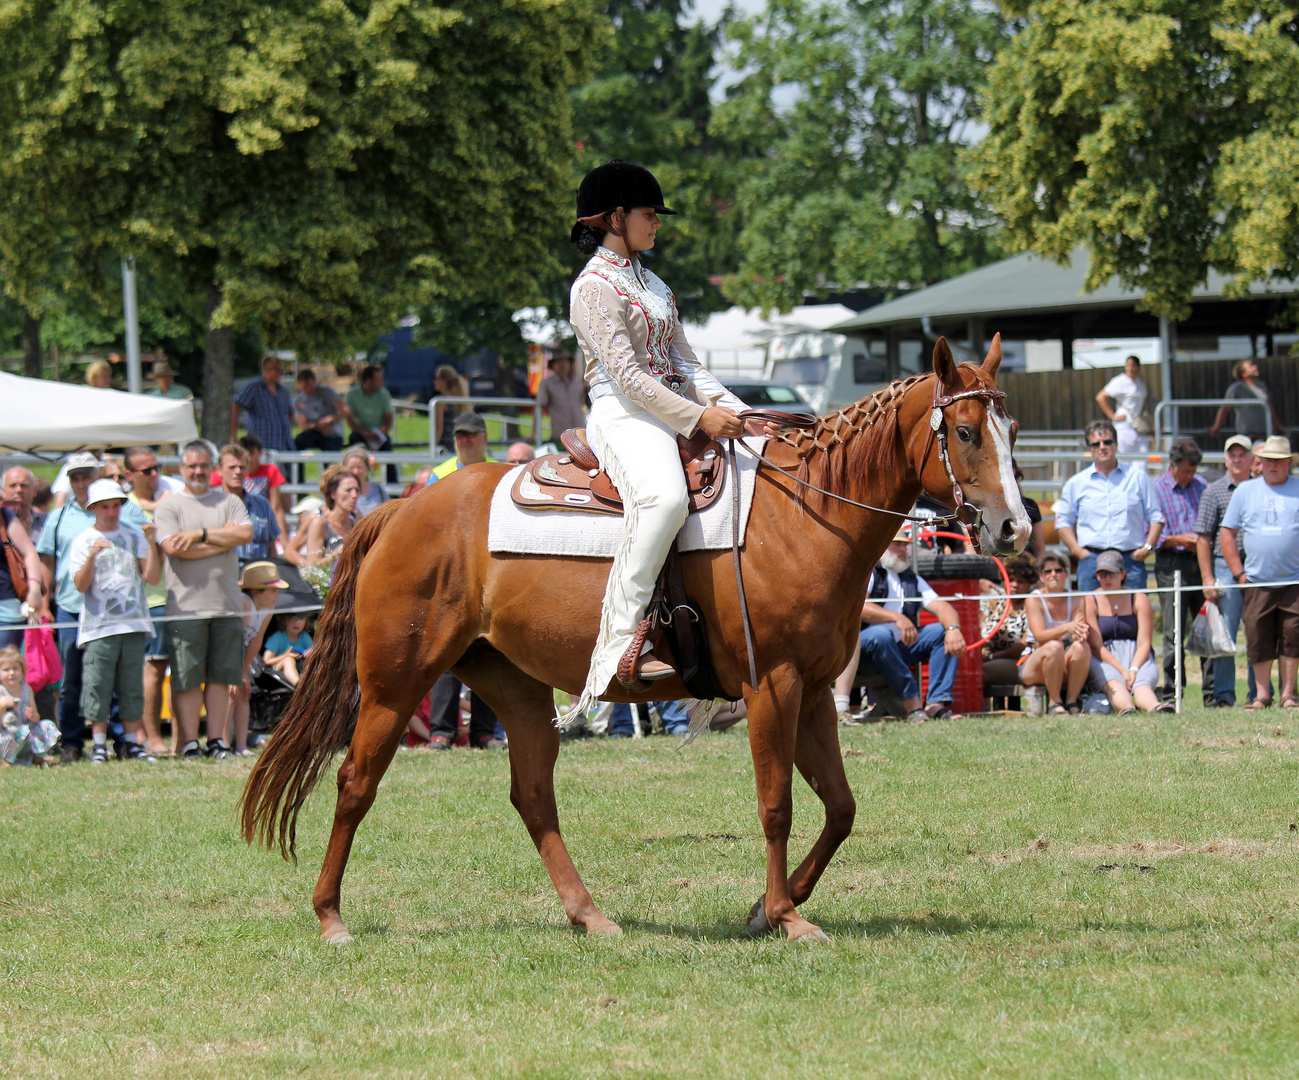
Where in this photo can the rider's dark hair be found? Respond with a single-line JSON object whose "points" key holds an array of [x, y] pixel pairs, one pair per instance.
{"points": [[588, 239]]}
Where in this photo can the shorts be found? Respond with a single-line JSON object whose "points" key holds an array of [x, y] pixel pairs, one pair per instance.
{"points": [[207, 651], [1124, 650], [158, 647], [113, 663], [1271, 623]]}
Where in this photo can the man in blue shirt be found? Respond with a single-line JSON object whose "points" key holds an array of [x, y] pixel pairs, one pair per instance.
{"points": [[1264, 513], [1108, 506], [62, 527], [266, 530], [267, 406]]}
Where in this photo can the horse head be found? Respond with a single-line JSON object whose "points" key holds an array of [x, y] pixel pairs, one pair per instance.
{"points": [[962, 452]]}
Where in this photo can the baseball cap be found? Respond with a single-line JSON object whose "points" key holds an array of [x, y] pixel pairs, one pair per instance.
{"points": [[1110, 560], [103, 490], [261, 575], [308, 504], [469, 423], [82, 460], [1238, 440]]}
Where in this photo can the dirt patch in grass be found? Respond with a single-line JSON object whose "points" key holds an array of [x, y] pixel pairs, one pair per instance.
{"points": [[1223, 847]]}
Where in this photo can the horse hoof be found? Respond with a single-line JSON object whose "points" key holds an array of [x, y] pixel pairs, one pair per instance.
{"points": [[757, 925], [337, 937], [604, 929], [812, 936]]}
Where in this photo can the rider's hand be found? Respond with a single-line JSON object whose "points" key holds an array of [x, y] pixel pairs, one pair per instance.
{"points": [[762, 427], [720, 423]]}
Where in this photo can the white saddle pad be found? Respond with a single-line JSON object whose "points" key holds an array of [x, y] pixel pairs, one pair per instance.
{"points": [[515, 530]]}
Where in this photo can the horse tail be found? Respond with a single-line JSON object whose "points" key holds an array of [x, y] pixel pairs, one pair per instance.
{"points": [[322, 711]]}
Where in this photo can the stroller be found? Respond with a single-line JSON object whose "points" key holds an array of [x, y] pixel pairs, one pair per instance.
{"points": [[269, 696]]}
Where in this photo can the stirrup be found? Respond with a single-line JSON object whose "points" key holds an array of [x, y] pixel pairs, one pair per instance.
{"points": [[631, 667]]}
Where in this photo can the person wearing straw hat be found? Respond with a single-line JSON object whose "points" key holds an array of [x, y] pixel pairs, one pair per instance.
{"points": [[260, 583], [1264, 514], [110, 564], [1237, 456], [167, 386]]}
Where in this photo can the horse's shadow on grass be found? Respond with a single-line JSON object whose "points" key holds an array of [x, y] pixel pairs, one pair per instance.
{"points": [[880, 926]]}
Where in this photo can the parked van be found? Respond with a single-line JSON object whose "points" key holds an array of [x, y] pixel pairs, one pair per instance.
{"points": [[833, 370]]}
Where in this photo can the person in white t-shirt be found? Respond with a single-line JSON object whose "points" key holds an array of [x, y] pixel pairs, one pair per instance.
{"points": [[110, 563], [1128, 393]]}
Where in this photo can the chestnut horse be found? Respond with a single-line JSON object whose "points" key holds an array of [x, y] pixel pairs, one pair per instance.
{"points": [[417, 593]]}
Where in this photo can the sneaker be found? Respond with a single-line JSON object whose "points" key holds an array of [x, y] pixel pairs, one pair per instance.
{"points": [[438, 742], [491, 743], [135, 752], [99, 755], [191, 751], [218, 750], [70, 755]]}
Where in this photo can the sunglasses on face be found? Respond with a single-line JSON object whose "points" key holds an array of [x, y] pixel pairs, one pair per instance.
{"points": [[1053, 570], [149, 471], [1102, 442]]}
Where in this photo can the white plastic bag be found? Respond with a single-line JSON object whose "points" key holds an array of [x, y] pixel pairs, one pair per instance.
{"points": [[1209, 637]]}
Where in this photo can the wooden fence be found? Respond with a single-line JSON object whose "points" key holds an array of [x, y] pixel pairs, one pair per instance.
{"points": [[1066, 400]]}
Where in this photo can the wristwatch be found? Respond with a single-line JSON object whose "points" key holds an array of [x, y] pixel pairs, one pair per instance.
{"points": [[1236, 578], [954, 626]]}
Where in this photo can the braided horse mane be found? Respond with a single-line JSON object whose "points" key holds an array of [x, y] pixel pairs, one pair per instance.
{"points": [[832, 436]]}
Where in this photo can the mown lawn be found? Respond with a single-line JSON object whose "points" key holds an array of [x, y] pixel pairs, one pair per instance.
{"points": [[975, 931]]}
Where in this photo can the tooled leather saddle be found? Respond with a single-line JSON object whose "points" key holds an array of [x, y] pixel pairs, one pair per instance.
{"points": [[576, 481]]}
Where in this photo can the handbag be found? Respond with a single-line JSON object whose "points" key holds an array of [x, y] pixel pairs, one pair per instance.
{"points": [[44, 665], [17, 568]]}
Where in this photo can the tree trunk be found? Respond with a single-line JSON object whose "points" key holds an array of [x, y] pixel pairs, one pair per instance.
{"points": [[31, 346], [218, 375]]}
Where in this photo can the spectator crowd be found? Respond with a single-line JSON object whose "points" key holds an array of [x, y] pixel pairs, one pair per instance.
{"points": [[170, 583]]}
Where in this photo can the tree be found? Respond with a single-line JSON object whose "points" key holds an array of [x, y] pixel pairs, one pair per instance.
{"points": [[860, 178], [1161, 134], [313, 169], [649, 101]]}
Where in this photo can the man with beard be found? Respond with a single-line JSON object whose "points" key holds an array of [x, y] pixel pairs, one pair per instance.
{"points": [[894, 640]]}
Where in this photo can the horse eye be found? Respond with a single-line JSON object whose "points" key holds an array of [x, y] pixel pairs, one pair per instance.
{"points": [[964, 434]]}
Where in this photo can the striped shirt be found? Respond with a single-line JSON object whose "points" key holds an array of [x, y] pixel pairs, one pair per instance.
{"points": [[1213, 504], [1180, 505], [268, 414]]}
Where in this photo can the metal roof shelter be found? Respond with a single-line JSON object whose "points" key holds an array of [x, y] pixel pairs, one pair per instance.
{"points": [[1029, 298]]}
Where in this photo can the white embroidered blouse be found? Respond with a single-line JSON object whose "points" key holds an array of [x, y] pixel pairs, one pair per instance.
{"points": [[627, 326]]}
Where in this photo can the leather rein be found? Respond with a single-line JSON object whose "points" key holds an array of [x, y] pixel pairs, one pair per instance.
{"points": [[967, 514]]}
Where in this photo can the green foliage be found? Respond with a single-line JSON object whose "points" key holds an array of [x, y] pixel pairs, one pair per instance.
{"points": [[461, 328], [1159, 133], [649, 102], [860, 178], [310, 167], [973, 935]]}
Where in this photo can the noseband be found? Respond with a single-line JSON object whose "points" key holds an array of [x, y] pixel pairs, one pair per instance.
{"points": [[967, 513]]}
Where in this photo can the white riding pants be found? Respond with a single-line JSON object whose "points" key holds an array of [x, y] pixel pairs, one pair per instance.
{"points": [[639, 452]]}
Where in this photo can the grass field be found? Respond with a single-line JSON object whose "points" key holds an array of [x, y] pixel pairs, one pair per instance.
{"points": [[975, 929]]}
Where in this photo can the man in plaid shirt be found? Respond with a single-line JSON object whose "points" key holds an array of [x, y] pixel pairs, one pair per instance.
{"points": [[1179, 491], [267, 406]]}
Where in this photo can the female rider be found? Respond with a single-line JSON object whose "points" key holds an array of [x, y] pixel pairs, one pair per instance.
{"points": [[647, 386]]}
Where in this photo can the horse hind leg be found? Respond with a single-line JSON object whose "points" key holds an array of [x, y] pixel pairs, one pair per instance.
{"points": [[526, 709]]}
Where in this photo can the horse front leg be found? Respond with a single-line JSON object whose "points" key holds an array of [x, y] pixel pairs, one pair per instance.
{"points": [[819, 759], [773, 735]]}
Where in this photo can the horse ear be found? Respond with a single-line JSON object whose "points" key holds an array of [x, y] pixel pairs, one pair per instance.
{"points": [[945, 366], [993, 360]]}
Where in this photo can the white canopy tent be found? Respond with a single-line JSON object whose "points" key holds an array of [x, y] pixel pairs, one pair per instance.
{"points": [[44, 417], [734, 342]]}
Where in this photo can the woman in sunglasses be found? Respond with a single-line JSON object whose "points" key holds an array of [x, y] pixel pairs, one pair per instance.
{"points": [[1121, 628], [1057, 626]]}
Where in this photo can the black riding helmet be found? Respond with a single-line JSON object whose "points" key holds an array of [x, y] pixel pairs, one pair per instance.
{"points": [[618, 184]]}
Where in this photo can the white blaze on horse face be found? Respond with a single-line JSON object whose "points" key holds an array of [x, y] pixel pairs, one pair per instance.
{"points": [[999, 427]]}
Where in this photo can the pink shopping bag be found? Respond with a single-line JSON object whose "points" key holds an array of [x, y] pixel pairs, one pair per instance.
{"points": [[42, 653]]}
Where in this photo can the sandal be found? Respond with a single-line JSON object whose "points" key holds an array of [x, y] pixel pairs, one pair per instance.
{"points": [[938, 711], [1057, 709], [1073, 708], [1127, 712], [1165, 707], [1290, 703], [1259, 703]]}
